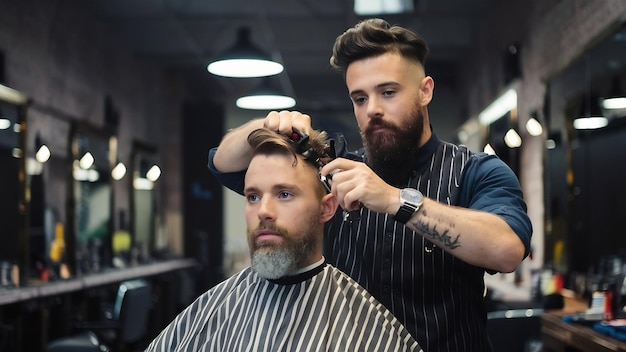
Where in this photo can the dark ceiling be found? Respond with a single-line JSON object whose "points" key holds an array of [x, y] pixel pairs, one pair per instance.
{"points": [[186, 35]]}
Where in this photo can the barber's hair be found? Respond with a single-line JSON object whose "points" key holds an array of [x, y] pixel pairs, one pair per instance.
{"points": [[266, 142], [374, 37]]}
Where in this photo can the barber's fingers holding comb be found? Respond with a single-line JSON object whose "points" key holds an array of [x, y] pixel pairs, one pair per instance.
{"points": [[286, 121]]}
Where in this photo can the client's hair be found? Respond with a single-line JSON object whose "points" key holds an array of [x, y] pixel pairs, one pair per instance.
{"points": [[265, 141]]}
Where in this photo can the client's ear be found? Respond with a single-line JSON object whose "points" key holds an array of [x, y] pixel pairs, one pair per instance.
{"points": [[329, 206]]}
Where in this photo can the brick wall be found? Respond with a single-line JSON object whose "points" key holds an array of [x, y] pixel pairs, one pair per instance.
{"points": [[66, 62]]}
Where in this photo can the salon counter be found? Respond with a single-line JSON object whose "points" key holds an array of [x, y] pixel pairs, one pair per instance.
{"points": [[20, 294], [558, 336], [31, 316]]}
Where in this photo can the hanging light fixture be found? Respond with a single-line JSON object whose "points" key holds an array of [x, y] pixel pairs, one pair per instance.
{"points": [[265, 97], [244, 60], [591, 116], [617, 99]]}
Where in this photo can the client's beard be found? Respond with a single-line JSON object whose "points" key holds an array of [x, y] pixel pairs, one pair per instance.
{"points": [[392, 154], [273, 262], [273, 265]]}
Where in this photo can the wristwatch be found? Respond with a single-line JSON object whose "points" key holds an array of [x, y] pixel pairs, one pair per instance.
{"points": [[410, 202]]}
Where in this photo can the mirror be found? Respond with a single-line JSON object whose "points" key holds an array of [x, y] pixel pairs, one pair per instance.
{"points": [[497, 135], [585, 193], [13, 202], [145, 172], [500, 120], [93, 153], [46, 163]]}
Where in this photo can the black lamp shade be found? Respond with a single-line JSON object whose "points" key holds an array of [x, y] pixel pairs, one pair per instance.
{"points": [[244, 59]]}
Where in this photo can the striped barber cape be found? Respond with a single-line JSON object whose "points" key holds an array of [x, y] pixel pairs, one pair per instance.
{"points": [[319, 310]]}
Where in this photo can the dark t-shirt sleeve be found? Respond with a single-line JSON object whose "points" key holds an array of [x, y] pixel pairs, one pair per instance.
{"points": [[231, 180], [490, 185]]}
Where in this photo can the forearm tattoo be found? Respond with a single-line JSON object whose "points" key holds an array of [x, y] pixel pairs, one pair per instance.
{"points": [[431, 233]]}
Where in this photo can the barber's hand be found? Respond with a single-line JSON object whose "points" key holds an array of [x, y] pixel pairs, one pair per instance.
{"points": [[355, 184], [286, 121]]}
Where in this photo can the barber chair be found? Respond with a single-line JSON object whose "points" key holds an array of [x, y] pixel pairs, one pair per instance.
{"points": [[515, 330], [126, 327]]}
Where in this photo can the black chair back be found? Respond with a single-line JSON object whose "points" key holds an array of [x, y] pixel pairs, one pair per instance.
{"points": [[126, 329], [515, 330], [135, 303]]}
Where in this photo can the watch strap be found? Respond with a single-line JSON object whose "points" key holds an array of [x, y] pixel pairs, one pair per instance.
{"points": [[404, 214]]}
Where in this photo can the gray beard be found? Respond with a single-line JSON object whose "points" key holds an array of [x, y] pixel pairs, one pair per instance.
{"points": [[273, 264]]}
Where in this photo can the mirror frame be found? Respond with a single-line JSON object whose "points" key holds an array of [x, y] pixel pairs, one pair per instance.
{"points": [[140, 148], [11, 96], [71, 239]]}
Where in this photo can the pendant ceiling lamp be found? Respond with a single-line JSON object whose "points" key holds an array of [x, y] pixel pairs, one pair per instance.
{"points": [[616, 99], [591, 116], [244, 60], [265, 97]]}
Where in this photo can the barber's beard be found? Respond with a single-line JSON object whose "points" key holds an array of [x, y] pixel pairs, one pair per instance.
{"points": [[273, 261], [391, 154]]}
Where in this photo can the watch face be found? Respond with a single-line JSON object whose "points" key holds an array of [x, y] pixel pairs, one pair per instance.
{"points": [[412, 196]]}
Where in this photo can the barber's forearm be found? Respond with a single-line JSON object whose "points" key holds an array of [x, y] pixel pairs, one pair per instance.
{"points": [[476, 237], [234, 153]]}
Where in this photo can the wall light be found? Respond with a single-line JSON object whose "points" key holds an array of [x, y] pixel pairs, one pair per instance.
{"points": [[43, 154], [533, 126], [512, 139], [153, 173], [244, 59], [503, 104], [118, 171], [86, 161], [489, 149]]}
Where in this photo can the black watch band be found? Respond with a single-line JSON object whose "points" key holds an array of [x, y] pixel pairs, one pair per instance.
{"points": [[404, 214], [410, 202]]}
